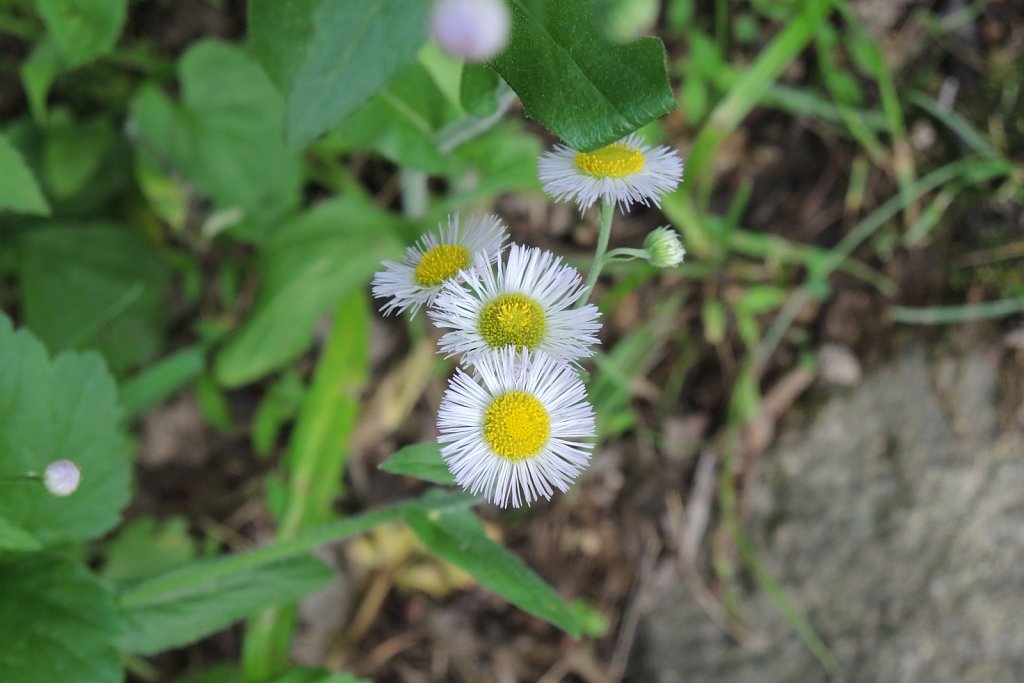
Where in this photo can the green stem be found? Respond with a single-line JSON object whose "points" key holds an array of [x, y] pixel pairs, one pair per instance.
{"points": [[607, 212], [626, 254]]}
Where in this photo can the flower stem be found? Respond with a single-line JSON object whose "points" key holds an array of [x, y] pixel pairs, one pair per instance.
{"points": [[607, 211]]}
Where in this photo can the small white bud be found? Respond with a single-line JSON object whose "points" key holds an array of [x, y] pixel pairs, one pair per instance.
{"points": [[473, 30], [664, 248], [61, 478]]}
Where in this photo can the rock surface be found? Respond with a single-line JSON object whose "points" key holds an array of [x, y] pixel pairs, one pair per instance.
{"points": [[895, 523]]}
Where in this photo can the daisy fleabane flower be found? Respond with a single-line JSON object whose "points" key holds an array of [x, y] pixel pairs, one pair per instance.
{"points": [[436, 259], [526, 302], [518, 429], [625, 172]]}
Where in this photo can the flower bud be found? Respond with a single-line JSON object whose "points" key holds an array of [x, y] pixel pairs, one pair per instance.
{"points": [[473, 30], [664, 248], [61, 477]]}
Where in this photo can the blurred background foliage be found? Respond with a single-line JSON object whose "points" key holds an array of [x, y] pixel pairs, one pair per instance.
{"points": [[181, 193]]}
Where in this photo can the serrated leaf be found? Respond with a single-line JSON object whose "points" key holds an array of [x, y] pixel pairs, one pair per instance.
{"points": [[224, 136], [585, 89], [333, 56], [18, 188], [94, 286], [421, 460], [57, 623], [83, 29], [54, 410], [457, 536], [310, 264], [181, 614]]}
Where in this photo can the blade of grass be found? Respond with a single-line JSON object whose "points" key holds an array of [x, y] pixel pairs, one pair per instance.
{"points": [[955, 123], [969, 170], [946, 315], [749, 90], [316, 461]]}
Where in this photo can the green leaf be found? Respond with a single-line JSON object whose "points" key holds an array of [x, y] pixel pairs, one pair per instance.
{"points": [[309, 265], [330, 57], [38, 73], [18, 188], [162, 379], [73, 152], [401, 121], [457, 536], [421, 460], [54, 410], [97, 285], [57, 623], [13, 537], [83, 29], [158, 620], [309, 675], [478, 90], [225, 136], [144, 548], [586, 90]]}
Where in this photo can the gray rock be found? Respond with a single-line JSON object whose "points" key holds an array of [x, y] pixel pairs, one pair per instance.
{"points": [[895, 523]]}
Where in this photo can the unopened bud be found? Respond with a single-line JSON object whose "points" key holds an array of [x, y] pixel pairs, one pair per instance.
{"points": [[61, 478], [473, 30], [664, 248]]}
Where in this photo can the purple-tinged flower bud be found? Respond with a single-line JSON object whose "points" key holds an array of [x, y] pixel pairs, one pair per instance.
{"points": [[61, 477], [473, 30]]}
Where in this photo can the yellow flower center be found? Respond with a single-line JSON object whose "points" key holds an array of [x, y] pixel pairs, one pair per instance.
{"points": [[441, 263], [614, 161], [516, 425], [513, 320]]}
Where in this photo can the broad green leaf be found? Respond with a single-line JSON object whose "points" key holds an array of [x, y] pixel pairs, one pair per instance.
{"points": [[309, 265], [143, 549], [38, 73], [57, 623], [18, 188], [585, 89], [164, 619], [224, 136], [478, 90], [279, 35], [504, 159], [83, 29], [421, 460], [401, 121], [94, 286], [73, 152], [331, 57], [53, 410], [13, 537], [457, 536]]}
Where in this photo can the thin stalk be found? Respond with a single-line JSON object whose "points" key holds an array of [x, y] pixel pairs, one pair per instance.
{"points": [[607, 212]]}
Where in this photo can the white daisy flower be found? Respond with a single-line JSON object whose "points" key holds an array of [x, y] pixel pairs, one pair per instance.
{"points": [[519, 429], [526, 303], [436, 259], [625, 172]]}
